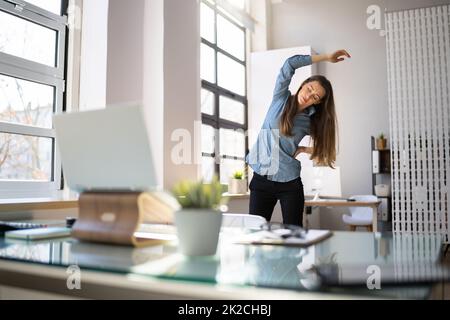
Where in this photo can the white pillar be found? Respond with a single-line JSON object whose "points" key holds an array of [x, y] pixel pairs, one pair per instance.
{"points": [[261, 11], [125, 51], [153, 81], [171, 83], [181, 84], [93, 60]]}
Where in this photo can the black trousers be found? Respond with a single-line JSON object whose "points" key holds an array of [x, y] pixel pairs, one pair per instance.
{"points": [[264, 194]]}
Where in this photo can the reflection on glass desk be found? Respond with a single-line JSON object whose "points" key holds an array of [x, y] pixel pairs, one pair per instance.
{"points": [[244, 265]]}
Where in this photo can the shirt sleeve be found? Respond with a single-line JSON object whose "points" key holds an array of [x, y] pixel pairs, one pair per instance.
{"points": [[287, 72]]}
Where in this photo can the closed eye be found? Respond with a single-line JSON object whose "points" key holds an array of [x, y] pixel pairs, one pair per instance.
{"points": [[315, 97]]}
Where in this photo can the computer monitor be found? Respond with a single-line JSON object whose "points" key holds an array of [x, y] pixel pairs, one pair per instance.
{"points": [[106, 150], [321, 181]]}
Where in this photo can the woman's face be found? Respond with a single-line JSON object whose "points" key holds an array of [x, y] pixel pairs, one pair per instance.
{"points": [[311, 93]]}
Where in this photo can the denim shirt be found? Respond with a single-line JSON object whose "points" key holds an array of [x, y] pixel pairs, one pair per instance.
{"points": [[273, 153]]}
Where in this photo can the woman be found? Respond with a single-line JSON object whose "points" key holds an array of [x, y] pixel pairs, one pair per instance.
{"points": [[290, 118]]}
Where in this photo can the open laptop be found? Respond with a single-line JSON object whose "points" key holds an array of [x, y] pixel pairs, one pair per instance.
{"points": [[106, 150]]}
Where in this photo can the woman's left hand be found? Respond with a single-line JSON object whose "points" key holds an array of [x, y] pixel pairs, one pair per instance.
{"points": [[338, 56], [303, 150]]}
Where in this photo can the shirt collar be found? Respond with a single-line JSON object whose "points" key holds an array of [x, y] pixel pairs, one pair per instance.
{"points": [[310, 111]]}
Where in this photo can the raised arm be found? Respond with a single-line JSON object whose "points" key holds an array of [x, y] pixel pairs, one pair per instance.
{"points": [[334, 57], [298, 61], [287, 72]]}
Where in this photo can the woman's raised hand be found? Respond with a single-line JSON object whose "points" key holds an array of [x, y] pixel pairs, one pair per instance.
{"points": [[338, 56]]}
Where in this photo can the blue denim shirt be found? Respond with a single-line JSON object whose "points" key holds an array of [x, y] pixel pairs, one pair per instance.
{"points": [[273, 153]]}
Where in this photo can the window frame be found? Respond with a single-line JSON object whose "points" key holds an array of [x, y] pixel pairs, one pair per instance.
{"points": [[215, 121], [20, 68]]}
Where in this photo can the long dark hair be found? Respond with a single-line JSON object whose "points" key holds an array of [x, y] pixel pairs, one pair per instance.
{"points": [[323, 122]]}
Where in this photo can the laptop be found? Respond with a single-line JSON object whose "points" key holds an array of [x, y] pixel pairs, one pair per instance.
{"points": [[106, 150]]}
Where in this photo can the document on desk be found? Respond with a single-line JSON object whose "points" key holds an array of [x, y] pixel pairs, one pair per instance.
{"points": [[269, 238], [156, 231]]}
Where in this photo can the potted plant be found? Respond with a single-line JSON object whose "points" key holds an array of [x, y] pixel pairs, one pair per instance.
{"points": [[381, 142], [199, 220], [237, 184]]}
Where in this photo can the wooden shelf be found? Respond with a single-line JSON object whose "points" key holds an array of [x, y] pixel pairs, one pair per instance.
{"points": [[383, 166]]}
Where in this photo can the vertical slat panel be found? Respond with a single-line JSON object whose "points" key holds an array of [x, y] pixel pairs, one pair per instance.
{"points": [[426, 106], [418, 106], [406, 117], [445, 54], [399, 106], [415, 125], [433, 124], [409, 257], [445, 68], [392, 93], [418, 56], [410, 129], [422, 189], [422, 249], [438, 159], [393, 119], [396, 248], [430, 119], [405, 138], [419, 255]]}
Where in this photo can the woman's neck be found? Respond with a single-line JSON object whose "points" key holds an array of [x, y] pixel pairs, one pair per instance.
{"points": [[301, 109]]}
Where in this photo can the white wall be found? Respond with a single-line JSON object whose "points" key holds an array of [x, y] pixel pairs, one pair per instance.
{"points": [[93, 60], [360, 84]]}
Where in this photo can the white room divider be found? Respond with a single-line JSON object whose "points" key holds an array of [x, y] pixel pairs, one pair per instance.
{"points": [[418, 55]]}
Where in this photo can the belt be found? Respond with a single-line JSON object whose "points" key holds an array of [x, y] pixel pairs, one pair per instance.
{"points": [[265, 176]]}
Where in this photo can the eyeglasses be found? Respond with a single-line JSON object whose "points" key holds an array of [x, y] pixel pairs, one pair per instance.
{"points": [[285, 230]]}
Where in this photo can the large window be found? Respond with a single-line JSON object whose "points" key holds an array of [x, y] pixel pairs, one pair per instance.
{"points": [[32, 69], [224, 92]]}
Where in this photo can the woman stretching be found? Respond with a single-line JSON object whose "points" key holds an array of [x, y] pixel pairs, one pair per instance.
{"points": [[290, 118]]}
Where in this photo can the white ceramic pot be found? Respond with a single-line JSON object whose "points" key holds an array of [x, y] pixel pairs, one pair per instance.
{"points": [[237, 186], [198, 231]]}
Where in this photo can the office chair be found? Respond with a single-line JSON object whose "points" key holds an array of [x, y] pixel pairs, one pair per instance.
{"points": [[239, 220], [360, 216]]}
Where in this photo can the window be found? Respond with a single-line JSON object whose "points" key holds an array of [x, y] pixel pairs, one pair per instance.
{"points": [[224, 93], [32, 72]]}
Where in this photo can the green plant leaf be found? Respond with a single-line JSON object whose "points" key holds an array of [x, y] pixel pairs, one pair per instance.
{"points": [[192, 194], [238, 175]]}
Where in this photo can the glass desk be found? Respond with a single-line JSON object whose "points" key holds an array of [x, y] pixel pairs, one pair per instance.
{"points": [[345, 256]]}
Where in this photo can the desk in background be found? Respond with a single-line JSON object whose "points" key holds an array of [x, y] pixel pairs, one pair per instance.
{"points": [[340, 202]]}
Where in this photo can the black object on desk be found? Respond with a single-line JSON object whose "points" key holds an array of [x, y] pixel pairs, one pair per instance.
{"points": [[15, 225], [70, 222]]}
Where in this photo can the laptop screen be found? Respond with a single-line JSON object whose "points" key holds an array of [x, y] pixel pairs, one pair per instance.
{"points": [[106, 150]]}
